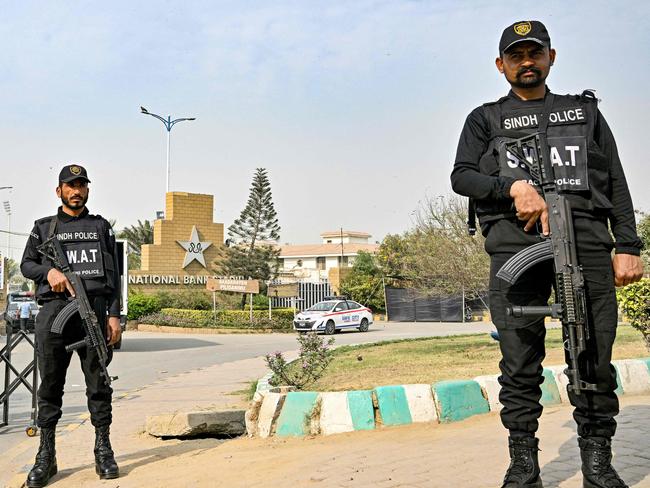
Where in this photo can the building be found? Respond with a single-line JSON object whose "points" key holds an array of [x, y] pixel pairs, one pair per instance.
{"points": [[316, 262]]}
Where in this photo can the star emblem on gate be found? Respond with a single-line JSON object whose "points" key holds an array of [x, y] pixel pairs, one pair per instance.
{"points": [[194, 249]]}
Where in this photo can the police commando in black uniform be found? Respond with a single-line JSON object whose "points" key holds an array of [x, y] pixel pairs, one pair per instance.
{"points": [[512, 215], [89, 244]]}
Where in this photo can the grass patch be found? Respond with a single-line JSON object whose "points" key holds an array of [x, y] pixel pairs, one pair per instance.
{"points": [[248, 393], [442, 358]]}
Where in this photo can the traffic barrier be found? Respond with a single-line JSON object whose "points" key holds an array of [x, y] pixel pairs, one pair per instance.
{"points": [[458, 400]]}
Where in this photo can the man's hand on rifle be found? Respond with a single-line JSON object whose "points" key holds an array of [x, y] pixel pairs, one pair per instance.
{"points": [[628, 268], [113, 330], [58, 282], [530, 205]]}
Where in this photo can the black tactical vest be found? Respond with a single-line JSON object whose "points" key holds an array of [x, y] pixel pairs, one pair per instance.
{"points": [[581, 169], [84, 244]]}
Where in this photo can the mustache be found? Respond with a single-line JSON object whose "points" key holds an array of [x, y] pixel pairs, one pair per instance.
{"points": [[521, 71]]}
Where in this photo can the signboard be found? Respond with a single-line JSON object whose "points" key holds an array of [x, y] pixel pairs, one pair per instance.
{"points": [[288, 290], [239, 286], [2, 272]]}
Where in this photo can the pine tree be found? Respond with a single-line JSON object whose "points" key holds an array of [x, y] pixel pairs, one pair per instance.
{"points": [[249, 254], [258, 221]]}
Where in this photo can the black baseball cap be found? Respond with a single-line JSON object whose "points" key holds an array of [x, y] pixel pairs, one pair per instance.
{"points": [[525, 30], [73, 172]]}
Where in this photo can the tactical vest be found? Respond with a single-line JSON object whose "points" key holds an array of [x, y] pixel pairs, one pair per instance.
{"points": [[581, 169], [84, 245]]}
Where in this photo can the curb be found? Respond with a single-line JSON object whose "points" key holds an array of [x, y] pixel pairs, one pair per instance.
{"points": [[311, 413]]}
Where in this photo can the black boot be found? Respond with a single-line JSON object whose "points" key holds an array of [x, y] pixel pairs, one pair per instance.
{"points": [[523, 471], [597, 470], [45, 464], [105, 465]]}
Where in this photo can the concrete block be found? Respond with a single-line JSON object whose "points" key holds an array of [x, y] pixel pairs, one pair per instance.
{"points": [[295, 417], [335, 416], [269, 411], [619, 389], [550, 391], [634, 376], [562, 381], [420, 402], [458, 400], [361, 409], [647, 362], [491, 389], [189, 424], [393, 405]]}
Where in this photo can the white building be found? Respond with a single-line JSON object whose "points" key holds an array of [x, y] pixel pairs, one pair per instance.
{"points": [[313, 262]]}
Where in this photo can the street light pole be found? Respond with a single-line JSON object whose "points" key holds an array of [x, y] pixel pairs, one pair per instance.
{"points": [[7, 206], [168, 123]]}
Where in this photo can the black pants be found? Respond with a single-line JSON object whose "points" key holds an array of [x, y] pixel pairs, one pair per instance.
{"points": [[53, 362], [23, 324], [522, 339]]}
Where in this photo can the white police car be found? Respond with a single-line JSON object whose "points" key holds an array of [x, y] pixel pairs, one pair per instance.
{"points": [[333, 314]]}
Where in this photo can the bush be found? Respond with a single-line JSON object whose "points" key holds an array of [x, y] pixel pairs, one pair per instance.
{"points": [[634, 302], [315, 355], [282, 319], [141, 304]]}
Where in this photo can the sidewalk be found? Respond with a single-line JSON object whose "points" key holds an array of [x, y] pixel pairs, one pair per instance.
{"points": [[467, 454]]}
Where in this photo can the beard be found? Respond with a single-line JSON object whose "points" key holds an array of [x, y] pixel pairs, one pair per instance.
{"points": [[76, 205], [528, 81]]}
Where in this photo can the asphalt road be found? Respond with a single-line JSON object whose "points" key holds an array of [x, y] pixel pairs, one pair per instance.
{"points": [[146, 357]]}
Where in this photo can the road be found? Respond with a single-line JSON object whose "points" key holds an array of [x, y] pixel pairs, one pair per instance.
{"points": [[147, 357]]}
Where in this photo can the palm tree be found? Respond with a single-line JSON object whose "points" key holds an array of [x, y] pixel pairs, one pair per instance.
{"points": [[136, 236]]}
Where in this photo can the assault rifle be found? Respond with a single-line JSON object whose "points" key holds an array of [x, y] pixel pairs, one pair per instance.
{"points": [[570, 303], [53, 250]]}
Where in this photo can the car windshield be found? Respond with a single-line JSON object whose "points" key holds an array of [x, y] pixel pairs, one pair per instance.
{"points": [[322, 307]]}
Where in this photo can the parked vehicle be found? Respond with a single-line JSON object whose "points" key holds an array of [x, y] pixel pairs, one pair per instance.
{"points": [[333, 315], [11, 313]]}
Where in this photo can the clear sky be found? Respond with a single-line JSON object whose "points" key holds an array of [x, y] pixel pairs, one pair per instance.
{"points": [[353, 107]]}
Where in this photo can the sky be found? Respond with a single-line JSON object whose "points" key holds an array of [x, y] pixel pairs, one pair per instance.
{"points": [[354, 108]]}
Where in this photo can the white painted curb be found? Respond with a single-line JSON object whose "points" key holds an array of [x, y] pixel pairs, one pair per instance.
{"points": [[335, 416], [491, 389], [269, 412], [634, 375], [420, 401]]}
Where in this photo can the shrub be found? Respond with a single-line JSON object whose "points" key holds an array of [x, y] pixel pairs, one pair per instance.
{"points": [[314, 357], [282, 319], [141, 304], [634, 302]]}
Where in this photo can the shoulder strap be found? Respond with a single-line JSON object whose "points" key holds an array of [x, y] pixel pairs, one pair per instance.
{"points": [[52, 229]]}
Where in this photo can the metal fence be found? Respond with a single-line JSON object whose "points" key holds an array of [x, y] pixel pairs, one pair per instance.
{"points": [[310, 293], [409, 305]]}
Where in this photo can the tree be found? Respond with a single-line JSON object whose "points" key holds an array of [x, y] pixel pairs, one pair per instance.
{"points": [[250, 253], [442, 256], [136, 236], [258, 221], [643, 229], [364, 282]]}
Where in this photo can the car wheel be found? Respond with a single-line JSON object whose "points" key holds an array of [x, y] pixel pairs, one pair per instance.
{"points": [[364, 326], [330, 328]]}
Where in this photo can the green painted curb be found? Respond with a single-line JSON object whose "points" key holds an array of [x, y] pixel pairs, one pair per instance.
{"points": [[393, 406], [619, 389], [550, 391], [458, 400], [294, 418], [361, 409]]}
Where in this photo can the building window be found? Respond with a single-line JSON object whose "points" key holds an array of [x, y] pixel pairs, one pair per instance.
{"points": [[320, 263], [343, 261]]}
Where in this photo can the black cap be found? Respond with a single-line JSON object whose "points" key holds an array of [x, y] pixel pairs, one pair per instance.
{"points": [[526, 30], [73, 172]]}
